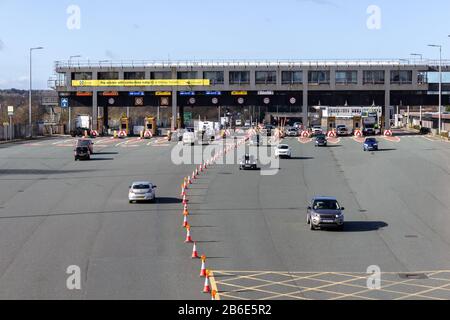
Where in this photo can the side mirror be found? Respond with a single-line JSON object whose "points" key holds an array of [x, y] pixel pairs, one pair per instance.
{"points": [[342, 209], [154, 187]]}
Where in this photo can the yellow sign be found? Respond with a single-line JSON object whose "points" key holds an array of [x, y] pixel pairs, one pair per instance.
{"points": [[140, 83], [239, 93], [163, 93]]}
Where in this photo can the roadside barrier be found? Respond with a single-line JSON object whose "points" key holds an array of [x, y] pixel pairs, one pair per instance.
{"points": [[122, 134], [148, 134], [358, 133], [305, 134], [388, 133], [332, 134], [94, 133]]}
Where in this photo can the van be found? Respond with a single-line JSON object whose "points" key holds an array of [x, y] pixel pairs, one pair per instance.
{"points": [[189, 138]]}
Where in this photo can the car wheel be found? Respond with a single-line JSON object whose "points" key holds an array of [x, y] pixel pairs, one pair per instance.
{"points": [[308, 221], [130, 202], [311, 226]]}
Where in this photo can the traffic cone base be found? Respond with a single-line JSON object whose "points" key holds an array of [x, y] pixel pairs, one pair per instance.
{"points": [[207, 288]]}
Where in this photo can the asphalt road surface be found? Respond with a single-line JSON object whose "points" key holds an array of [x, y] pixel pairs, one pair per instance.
{"points": [[55, 213]]}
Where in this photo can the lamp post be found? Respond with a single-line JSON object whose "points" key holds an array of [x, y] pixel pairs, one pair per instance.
{"points": [[440, 84], [70, 108], [417, 55], [30, 122]]}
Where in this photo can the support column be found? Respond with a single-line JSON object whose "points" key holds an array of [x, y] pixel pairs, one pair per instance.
{"points": [[174, 109], [94, 124], [305, 99], [387, 104]]}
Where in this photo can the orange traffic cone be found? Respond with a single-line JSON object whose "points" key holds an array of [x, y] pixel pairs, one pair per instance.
{"points": [[189, 180], [185, 211], [194, 177], [185, 201], [188, 234], [203, 269], [194, 252], [213, 295], [207, 288], [185, 223], [183, 191]]}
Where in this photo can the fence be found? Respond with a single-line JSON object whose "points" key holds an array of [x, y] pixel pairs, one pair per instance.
{"points": [[21, 131]]}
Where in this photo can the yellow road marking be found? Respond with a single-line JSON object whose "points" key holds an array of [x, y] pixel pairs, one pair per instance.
{"points": [[214, 285]]}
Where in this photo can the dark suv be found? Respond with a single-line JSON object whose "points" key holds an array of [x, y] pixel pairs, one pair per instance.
{"points": [[325, 212], [82, 153]]}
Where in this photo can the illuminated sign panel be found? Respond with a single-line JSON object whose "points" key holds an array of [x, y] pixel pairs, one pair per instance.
{"points": [[213, 93], [136, 94], [239, 93], [140, 83], [163, 93], [110, 94], [84, 94], [187, 93]]}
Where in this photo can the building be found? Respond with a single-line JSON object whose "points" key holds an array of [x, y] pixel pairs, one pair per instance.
{"points": [[257, 89]]}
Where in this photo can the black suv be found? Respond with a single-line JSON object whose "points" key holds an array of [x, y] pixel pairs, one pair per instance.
{"points": [[82, 153]]}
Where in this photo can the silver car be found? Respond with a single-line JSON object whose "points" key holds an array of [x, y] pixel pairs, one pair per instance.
{"points": [[142, 191], [325, 212]]}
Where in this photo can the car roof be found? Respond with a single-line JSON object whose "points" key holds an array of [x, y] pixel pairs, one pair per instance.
{"points": [[324, 198], [140, 182]]}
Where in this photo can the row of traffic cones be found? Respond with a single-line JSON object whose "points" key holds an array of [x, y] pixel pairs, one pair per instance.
{"points": [[188, 181]]}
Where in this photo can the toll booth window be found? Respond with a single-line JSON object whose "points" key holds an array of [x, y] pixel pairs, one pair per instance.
{"points": [[357, 125], [150, 126], [134, 75], [81, 75], [124, 126]]}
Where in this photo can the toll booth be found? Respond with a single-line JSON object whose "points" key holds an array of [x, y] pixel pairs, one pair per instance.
{"points": [[331, 126], [178, 122], [150, 125], [357, 123], [125, 124]]}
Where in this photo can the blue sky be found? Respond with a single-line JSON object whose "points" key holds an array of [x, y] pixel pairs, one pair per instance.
{"points": [[210, 29]]}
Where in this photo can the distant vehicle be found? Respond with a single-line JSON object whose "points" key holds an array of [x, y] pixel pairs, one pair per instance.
{"points": [[248, 162], [324, 212], [371, 144], [238, 123], [283, 150], [342, 130], [317, 130], [298, 125], [248, 124], [321, 141], [256, 140], [292, 132], [82, 153], [425, 131], [189, 138], [86, 143], [142, 191], [369, 131], [82, 125]]}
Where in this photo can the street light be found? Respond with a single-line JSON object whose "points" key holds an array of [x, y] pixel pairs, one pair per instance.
{"points": [[73, 57], [30, 123], [417, 55], [440, 83]]}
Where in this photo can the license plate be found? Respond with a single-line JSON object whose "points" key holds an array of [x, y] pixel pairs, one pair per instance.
{"points": [[328, 221]]}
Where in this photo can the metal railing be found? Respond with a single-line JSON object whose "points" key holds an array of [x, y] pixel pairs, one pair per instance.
{"points": [[86, 64]]}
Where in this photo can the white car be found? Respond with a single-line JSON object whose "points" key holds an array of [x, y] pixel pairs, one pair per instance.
{"points": [[317, 130], [283, 150], [189, 138], [142, 191]]}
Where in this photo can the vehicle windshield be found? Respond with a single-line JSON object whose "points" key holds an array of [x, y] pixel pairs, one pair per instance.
{"points": [[84, 142], [141, 187], [321, 137], [326, 205], [372, 140], [283, 147]]}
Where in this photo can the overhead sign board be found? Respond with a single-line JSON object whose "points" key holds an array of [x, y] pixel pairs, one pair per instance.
{"points": [[266, 93], [239, 93], [10, 111], [163, 93], [350, 112], [140, 83], [136, 94], [213, 93], [187, 93], [84, 94]]}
